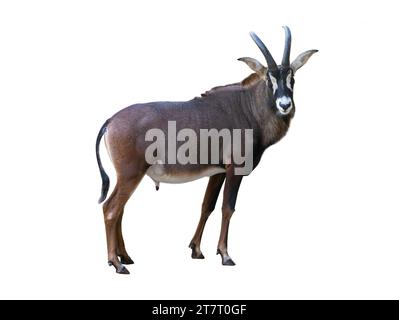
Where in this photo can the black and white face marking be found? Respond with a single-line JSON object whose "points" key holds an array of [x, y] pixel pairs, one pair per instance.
{"points": [[282, 85]]}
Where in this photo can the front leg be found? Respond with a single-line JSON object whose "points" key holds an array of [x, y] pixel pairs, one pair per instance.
{"points": [[230, 192], [208, 205]]}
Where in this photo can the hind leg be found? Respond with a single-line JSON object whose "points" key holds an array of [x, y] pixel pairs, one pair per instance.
{"points": [[121, 250], [113, 210]]}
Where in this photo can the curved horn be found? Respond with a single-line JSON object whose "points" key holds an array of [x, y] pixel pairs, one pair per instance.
{"points": [[269, 59], [287, 47]]}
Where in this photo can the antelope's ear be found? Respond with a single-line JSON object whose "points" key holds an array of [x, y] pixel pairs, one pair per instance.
{"points": [[255, 65], [300, 61]]}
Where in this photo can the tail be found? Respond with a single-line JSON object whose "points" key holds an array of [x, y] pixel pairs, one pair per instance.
{"points": [[104, 176]]}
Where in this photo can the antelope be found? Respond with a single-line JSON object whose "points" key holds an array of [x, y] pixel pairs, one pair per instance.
{"points": [[263, 103]]}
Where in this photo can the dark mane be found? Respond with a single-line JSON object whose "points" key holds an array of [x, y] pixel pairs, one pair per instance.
{"points": [[224, 88], [248, 81]]}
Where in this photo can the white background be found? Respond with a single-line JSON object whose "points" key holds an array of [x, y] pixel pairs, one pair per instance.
{"points": [[317, 219]]}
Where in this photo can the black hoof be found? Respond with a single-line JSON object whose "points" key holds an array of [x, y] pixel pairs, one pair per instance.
{"points": [[126, 260], [228, 262], [122, 270], [194, 253]]}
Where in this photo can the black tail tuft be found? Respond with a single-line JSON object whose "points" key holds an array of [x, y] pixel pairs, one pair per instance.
{"points": [[104, 187], [104, 176]]}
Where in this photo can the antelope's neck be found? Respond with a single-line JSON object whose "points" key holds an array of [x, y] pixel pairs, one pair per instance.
{"points": [[271, 127]]}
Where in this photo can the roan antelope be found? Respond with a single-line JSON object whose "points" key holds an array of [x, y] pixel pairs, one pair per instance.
{"points": [[262, 103]]}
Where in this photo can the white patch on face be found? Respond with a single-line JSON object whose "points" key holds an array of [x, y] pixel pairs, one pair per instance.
{"points": [[288, 81], [274, 83], [284, 101]]}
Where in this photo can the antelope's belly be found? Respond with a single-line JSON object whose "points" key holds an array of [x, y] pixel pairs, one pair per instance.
{"points": [[169, 174]]}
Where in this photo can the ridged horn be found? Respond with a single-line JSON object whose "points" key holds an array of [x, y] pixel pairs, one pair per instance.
{"points": [[287, 48], [269, 58]]}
